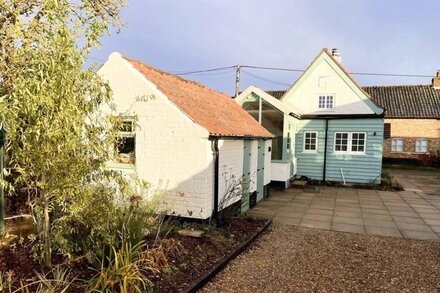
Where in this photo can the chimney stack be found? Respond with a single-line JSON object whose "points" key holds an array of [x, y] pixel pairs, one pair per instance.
{"points": [[436, 80], [336, 55]]}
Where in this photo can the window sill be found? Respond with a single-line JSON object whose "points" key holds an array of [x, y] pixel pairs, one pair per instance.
{"points": [[309, 152], [349, 153]]}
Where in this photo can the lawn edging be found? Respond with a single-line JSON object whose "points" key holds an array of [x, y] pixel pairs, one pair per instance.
{"points": [[205, 278]]}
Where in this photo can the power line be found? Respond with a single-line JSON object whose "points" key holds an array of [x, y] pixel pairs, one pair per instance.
{"points": [[204, 70], [264, 79], [301, 70], [354, 73]]}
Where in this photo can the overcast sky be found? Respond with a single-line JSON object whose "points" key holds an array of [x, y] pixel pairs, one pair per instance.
{"points": [[378, 36]]}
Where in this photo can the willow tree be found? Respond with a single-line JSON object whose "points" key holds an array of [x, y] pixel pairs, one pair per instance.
{"points": [[58, 140]]}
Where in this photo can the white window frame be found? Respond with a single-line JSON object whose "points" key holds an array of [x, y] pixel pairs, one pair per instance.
{"points": [[129, 134], [326, 99], [349, 143], [427, 145], [304, 142], [392, 144]]}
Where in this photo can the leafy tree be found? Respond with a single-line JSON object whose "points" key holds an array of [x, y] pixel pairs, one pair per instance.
{"points": [[58, 139]]}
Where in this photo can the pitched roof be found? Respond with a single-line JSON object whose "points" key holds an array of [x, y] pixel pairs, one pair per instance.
{"points": [[215, 111], [407, 101], [326, 52], [400, 101]]}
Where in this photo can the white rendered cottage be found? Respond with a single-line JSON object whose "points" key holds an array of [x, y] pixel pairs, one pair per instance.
{"points": [[181, 135]]}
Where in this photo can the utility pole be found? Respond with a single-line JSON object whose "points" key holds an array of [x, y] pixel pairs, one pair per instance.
{"points": [[237, 80]]}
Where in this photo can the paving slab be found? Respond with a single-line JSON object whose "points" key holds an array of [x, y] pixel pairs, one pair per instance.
{"points": [[420, 235], [357, 211], [326, 225], [414, 227], [349, 221], [341, 227]]}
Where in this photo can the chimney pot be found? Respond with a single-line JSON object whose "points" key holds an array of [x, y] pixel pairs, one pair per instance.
{"points": [[436, 80], [336, 55]]}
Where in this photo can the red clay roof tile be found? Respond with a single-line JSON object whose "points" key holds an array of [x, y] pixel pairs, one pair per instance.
{"points": [[215, 111]]}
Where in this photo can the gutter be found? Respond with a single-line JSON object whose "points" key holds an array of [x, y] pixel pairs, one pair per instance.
{"points": [[215, 153]]}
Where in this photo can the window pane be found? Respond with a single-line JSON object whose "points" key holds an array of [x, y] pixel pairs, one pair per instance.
{"points": [[272, 120]]}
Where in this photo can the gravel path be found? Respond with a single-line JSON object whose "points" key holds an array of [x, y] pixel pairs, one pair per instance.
{"points": [[296, 259]]}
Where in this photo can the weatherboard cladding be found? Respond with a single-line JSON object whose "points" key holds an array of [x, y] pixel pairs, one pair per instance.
{"points": [[214, 111], [400, 101], [363, 168]]}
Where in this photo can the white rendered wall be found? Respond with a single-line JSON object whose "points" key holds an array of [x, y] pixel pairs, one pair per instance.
{"points": [[325, 80], [172, 151]]}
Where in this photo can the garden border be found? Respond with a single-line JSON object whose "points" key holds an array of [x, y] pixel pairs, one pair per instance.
{"points": [[205, 278]]}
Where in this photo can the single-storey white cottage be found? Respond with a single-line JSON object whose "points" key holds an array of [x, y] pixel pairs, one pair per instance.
{"points": [[195, 142]]}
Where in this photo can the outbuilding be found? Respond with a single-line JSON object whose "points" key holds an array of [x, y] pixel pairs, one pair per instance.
{"points": [[196, 143]]}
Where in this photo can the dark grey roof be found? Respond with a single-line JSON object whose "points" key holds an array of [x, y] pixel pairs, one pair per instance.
{"points": [[400, 101], [407, 101]]}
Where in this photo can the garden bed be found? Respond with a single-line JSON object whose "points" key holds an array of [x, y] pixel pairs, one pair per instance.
{"points": [[191, 259]]}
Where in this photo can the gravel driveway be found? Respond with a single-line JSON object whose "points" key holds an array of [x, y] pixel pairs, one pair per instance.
{"points": [[297, 259]]}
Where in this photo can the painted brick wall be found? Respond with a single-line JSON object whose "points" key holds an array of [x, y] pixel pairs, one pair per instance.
{"points": [[172, 152], [231, 166]]}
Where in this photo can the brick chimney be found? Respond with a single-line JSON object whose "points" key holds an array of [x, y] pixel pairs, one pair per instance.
{"points": [[436, 80], [336, 55]]}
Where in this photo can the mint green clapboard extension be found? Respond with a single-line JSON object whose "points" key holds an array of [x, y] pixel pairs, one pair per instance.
{"points": [[246, 174], [359, 168]]}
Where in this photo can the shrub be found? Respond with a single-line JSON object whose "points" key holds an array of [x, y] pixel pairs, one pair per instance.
{"points": [[106, 215], [122, 271]]}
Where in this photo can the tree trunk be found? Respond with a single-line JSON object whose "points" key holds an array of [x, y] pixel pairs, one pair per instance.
{"points": [[47, 241]]}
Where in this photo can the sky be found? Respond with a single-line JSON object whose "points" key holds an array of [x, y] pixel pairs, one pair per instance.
{"points": [[373, 36]]}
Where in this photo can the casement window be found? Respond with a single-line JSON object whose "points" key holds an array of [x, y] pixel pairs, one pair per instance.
{"points": [[421, 145], [397, 145], [126, 143], [310, 141], [350, 142], [326, 102]]}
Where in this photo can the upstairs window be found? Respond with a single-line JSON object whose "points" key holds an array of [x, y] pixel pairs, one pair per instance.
{"points": [[350, 142], [326, 102], [421, 145], [310, 141], [397, 145], [126, 143]]}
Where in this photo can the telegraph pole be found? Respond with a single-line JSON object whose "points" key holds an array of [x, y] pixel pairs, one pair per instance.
{"points": [[237, 80]]}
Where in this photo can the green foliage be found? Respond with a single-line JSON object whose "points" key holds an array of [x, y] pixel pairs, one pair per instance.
{"points": [[122, 271], [59, 139], [105, 215]]}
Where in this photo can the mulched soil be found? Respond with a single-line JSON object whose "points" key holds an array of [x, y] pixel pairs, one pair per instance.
{"points": [[201, 254], [296, 259], [197, 256]]}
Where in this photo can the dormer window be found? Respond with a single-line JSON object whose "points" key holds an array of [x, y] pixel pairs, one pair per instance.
{"points": [[326, 102]]}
